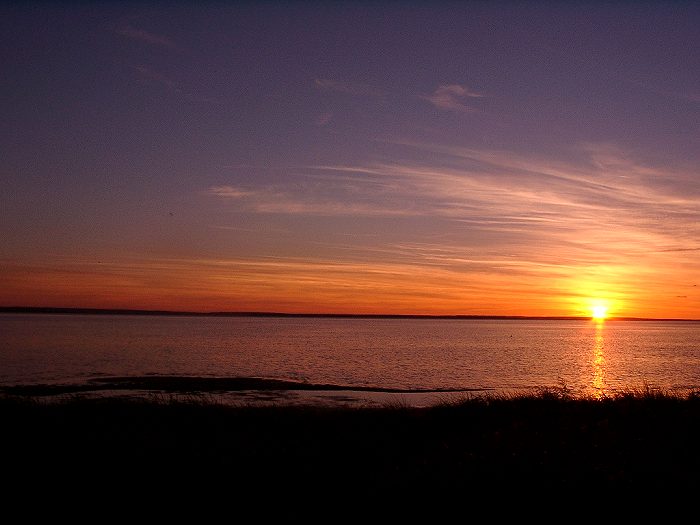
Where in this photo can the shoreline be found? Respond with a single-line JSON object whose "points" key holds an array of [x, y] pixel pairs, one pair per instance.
{"points": [[195, 384], [237, 391], [261, 391]]}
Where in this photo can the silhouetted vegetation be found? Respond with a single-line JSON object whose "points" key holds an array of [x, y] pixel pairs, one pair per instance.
{"points": [[636, 439]]}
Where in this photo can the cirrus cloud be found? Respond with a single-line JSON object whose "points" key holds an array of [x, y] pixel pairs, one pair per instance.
{"points": [[449, 97]]}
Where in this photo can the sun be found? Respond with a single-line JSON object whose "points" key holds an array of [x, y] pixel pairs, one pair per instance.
{"points": [[599, 312]]}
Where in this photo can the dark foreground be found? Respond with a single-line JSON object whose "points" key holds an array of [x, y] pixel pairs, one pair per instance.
{"points": [[545, 441]]}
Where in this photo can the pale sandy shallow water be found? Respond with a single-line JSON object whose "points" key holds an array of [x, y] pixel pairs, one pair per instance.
{"points": [[261, 398]]}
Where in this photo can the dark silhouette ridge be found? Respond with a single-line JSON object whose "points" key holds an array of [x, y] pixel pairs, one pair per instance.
{"points": [[126, 311]]}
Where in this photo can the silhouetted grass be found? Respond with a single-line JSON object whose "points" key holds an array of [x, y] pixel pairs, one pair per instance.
{"points": [[549, 439]]}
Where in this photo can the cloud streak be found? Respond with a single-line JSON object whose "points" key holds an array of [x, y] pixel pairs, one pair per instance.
{"points": [[450, 97], [305, 199], [147, 37], [498, 190], [229, 192]]}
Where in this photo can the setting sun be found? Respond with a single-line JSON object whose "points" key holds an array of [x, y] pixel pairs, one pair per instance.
{"points": [[599, 312]]}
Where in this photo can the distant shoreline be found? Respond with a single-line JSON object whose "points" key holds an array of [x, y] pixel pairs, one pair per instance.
{"points": [[126, 311]]}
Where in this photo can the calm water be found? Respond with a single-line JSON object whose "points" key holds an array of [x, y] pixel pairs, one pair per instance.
{"points": [[420, 354]]}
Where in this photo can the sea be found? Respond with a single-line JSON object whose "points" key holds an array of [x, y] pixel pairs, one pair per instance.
{"points": [[428, 360]]}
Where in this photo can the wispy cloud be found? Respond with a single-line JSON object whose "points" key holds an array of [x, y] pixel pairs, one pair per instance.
{"points": [[146, 37], [499, 191], [229, 192], [350, 88], [304, 199], [599, 218], [450, 97]]}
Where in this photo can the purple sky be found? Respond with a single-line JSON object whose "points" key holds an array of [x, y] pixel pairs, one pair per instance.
{"points": [[416, 157]]}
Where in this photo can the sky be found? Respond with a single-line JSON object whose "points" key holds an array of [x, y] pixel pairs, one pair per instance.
{"points": [[467, 158]]}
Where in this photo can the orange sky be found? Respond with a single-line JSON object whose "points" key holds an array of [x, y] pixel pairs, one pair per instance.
{"points": [[300, 285]]}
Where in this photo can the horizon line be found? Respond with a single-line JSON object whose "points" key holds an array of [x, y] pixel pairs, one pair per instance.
{"points": [[129, 311]]}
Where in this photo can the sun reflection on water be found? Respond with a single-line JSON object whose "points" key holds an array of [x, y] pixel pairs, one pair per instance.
{"points": [[599, 361]]}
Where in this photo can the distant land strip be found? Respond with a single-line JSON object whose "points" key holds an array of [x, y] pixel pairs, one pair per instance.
{"points": [[188, 384], [125, 311]]}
